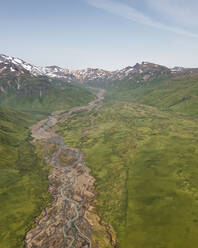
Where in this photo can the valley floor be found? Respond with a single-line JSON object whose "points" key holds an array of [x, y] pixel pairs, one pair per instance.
{"points": [[144, 161], [68, 221], [141, 186]]}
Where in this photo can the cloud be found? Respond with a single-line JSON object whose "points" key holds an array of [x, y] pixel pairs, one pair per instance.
{"points": [[179, 11], [132, 14]]}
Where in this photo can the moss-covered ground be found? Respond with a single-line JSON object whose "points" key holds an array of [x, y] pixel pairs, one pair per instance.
{"points": [[145, 161], [23, 172]]}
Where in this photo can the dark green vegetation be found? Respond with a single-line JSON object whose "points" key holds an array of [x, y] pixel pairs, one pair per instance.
{"points": [[145, 161], [23, 173], [143, 152], [28, 93], [23, 179], [178, 93]]}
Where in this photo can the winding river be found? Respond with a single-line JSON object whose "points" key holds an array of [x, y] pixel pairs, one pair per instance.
{"points": [[63, 224]]}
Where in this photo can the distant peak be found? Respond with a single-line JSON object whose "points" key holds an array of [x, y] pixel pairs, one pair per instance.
{"points": [[136, 66], [145, 70]]}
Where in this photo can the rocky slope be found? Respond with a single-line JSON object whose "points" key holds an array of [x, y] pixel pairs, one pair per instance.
{"points": [[140, 72], [12, 65], [26, 87]]}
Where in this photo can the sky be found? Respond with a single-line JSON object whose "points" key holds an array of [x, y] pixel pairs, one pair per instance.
{"points": [[109, 34]]}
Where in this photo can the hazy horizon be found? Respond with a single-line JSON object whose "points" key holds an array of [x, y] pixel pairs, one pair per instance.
{"points": [[138, 62]]}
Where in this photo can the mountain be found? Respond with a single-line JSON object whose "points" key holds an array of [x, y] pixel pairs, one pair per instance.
{"points": [[26, 87], [13, 64], [145, 71], [140, 72]]}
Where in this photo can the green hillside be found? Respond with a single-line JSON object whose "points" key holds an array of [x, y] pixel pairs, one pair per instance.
{"points": [[176, 93], [142, 150], [144, 159], [23, 173], [23, 179], [29, 93]]}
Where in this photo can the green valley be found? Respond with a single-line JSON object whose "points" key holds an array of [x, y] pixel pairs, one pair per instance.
{"points": [[144, 159], [99, 124], [23, 171], [140, 141]]}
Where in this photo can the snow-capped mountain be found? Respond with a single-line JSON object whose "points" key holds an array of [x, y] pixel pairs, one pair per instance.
{"points": [[19, 63], [143, 72], [50, 71], [177, 69]]}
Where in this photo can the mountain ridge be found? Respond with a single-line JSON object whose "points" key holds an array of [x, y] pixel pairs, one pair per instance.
{"points": [[145, 69]]}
